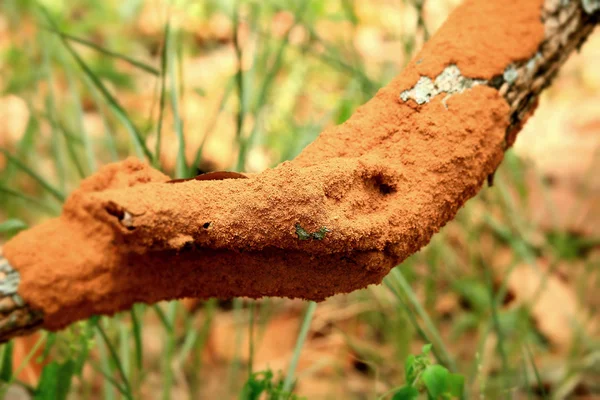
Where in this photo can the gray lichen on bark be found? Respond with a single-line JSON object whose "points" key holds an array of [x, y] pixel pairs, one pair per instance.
{"points": [[590, 6], [567, 24], [16, 318], [449, 81]]}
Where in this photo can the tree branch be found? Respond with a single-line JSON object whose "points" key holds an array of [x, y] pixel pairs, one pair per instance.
{"points": [[357, 201]]}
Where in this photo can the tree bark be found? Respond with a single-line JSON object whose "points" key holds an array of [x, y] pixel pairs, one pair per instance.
{"points": [[360, 199]]}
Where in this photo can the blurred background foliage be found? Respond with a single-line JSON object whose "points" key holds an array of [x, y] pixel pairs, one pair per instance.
{"points": [[508, 293]]}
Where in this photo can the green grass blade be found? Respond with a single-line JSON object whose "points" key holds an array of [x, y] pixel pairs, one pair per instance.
{"points": [[113, 353], [136, 137], [137, 337], [56, 144], [28, 357], [265, 89], [496, 324], [252, 310], [168, 352], [32, 200], [109, 379], [108, 384], [12, 225], [124, 349], [7, 360], [180, 166], [239, 79], [38, 178], [55, 381], [337, 61], [209, 128], [25, 145], [536, 372], [111, 145], [189, 341], [289, 378], [163, 317], [85, 137], [412, 297], [210, 308], [138, 64], [85, 339], [68, 140], [413, 318], [51, 112], [163, 96], [235, 364]]}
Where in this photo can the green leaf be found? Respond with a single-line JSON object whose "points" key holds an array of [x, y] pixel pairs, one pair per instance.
{"points": [[455, 385], [435, 378], [426, 349], [301, 232], [409, 368], [12, 225], [6, 368], [55, 381], [406, 393], [256, 384]]}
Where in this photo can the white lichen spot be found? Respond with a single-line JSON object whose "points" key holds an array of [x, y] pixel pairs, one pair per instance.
{"points": [[450, 81], [510, 74], [532, 63], [423, 90], [590, 6]]}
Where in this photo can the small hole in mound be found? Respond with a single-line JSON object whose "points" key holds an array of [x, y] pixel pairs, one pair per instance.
{"points": [[115, 210], [125, 218], [206, 225], [384, 188], [509, 298], [361, 366]]}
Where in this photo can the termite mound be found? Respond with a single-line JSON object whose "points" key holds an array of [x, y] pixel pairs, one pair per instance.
{"points": [[380, 185]]}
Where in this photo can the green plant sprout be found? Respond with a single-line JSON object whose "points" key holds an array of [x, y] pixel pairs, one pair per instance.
{"points": [[423, 378], [304, 235], [260, 385]]}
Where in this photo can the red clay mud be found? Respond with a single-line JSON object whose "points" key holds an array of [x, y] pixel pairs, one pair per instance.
{"points": [[381, 184]]}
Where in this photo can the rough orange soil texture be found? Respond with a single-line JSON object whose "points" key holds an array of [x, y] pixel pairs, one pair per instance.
{"points": [[381, 185]]}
